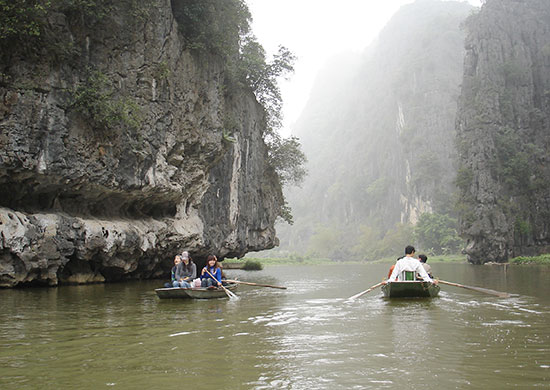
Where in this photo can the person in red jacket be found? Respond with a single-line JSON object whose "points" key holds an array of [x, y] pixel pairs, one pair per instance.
{"points": [[391, 270]]}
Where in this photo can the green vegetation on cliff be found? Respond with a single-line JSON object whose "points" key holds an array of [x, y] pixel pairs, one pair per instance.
{"points": [[95, 99], [216, 31], [222, 28], [25, 22], [438, 234], [213, 26], [26, 26], [21, 19]]}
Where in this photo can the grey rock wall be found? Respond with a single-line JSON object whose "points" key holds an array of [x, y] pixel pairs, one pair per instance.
{"points": [[80, 204], [503, 131]]}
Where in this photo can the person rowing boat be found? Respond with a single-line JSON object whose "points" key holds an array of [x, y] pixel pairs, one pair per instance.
{"points": [[211, 274], [407, 267]]}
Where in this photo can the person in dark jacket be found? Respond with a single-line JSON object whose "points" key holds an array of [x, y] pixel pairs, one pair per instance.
{"points": [[188, 271]]}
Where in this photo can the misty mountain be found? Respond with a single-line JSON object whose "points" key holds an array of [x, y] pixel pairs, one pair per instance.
{"points": [[379, 133]]}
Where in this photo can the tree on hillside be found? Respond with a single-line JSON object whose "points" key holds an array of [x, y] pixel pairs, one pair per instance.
{"points": [[438, 233]]}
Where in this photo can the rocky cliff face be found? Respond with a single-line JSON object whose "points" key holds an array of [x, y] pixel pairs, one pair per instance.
{"points": [[503, 131], [379, 135], [80, 203]]}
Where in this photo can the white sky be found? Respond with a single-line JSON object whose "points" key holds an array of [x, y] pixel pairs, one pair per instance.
{"points": [[315, 30]]}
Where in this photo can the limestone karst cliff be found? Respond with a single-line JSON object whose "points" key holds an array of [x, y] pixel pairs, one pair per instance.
{"points": [[503, 131], [379, 133], [89, 195]]}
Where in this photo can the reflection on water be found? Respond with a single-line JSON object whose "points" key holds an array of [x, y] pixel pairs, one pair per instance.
{"points": [[308, 336]]}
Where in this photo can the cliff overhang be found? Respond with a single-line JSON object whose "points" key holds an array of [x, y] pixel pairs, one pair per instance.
{"points": [[83, 200]]}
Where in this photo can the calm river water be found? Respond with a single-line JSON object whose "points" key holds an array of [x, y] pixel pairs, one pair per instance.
{"points": [[121, 336]]}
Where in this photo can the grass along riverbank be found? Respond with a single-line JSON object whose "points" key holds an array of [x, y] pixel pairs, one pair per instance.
{"points": [[542, 259], [298, 260]]}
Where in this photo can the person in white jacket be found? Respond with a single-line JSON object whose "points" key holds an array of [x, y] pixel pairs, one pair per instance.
{"points": [[408, 263]]}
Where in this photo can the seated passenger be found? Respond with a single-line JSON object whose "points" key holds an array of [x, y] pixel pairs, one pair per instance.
{"points": [[176, 269], [188, 271], [423, 259], [406, 265], [212, 268]]}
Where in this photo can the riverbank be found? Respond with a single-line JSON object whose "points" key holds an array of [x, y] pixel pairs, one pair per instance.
{"points": [[299, 260], [303, 260], [431, 259], [541, 260]]}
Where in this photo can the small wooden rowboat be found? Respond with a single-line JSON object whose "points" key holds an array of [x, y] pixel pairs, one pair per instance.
{"points": [[410, 289], [195, 292]]}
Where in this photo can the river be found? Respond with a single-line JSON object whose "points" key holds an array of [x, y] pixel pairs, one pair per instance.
{"points": [[121, 336]]}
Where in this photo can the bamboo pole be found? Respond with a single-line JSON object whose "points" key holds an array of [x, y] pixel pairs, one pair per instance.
{"points": [[366, 291], [229, 293], [255, 284], [479, 289]]}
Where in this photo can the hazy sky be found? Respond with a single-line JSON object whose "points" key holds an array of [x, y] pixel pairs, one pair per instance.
{"points": [[315, 30]]}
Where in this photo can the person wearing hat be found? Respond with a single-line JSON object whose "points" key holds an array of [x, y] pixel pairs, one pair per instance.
{"points": [[187, 271]]}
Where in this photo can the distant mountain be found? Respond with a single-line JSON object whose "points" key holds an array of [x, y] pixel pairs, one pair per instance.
{"points": [[379, 133]]}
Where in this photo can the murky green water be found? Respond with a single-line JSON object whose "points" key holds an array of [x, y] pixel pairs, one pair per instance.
{"points": [[122, 336]]}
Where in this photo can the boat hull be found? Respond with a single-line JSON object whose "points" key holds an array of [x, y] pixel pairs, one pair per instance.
{"points": [[193, 293], [410, 289]]}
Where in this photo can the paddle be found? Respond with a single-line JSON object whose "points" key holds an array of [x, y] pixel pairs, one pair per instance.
{"points": [[480, 289], [366, 291], [255, 284], [229, 293]]}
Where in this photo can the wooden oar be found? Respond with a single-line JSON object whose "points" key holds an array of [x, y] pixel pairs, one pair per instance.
{"points": [[229, 293], [366, 291], [480, 289], [255, 284]]}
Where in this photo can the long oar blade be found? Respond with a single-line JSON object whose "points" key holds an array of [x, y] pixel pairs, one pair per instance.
{"points": [[229, 293], [364, 292], [255, 284], [479, 289]]}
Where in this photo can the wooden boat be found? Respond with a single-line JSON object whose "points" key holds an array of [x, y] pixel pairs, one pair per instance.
{"points": [[195, 292], [410, 289]]}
